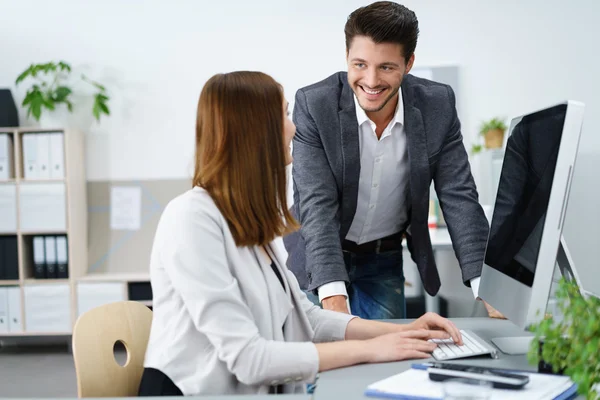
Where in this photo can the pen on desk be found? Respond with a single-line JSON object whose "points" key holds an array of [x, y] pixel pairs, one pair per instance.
{"points": [[422, 366]]}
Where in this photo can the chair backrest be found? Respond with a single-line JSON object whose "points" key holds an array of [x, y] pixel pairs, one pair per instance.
{"points": [[94, 336]]}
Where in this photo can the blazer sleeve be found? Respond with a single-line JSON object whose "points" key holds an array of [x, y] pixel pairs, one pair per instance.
{"points": [[316, 201], [329, 326], [196, 263], [455, 187]]}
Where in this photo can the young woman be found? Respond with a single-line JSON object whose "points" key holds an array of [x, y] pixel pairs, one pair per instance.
{"points": [[228, 315]]}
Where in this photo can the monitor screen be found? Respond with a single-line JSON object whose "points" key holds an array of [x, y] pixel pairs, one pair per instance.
{"points": [[523, 193]]}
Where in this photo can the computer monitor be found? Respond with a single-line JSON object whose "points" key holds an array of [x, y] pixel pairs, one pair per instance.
{"points": [[526, 225]]}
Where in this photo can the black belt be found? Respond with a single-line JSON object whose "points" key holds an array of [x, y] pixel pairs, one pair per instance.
{"points": [[388, 243]]}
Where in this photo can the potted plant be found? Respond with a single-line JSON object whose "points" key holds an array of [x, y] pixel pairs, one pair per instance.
{"points": [[493, 134], [50, 89], [571, 346]]}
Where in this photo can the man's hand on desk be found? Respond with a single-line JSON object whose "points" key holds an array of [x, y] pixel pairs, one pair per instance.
{"points": [[492, 312], [336, 303]]}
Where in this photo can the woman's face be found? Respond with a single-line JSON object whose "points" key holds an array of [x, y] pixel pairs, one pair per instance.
{"points": [[289, 130]]}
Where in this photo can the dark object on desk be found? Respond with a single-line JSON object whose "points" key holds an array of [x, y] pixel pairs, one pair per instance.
{"points": [[9, 117], [499, 379], [543, 366]]}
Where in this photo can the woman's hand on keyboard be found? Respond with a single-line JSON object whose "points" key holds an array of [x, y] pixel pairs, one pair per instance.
{"points": [[403, 345], [435, 322]]}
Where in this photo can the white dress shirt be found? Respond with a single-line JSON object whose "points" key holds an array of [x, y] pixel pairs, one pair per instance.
{"points": [[381, 208]]}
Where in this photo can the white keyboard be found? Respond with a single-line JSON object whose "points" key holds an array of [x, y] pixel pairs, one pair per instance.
{"points": [[473, 346]]}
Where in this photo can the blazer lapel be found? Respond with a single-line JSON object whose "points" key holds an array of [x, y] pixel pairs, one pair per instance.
{"points": [[417, 148], [279, 300], [350, 157], [297, 325]]}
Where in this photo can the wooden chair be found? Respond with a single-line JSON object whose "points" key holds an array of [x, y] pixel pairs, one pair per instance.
{"points": [[94, 337]]}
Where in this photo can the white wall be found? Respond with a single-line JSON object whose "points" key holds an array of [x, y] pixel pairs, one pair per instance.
{"points": [[154, 56], [515, 56]]}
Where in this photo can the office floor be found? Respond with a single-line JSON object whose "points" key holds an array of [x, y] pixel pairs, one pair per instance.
{"points": [[39, 371]]}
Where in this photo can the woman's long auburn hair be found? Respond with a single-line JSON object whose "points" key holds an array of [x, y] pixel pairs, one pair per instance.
{"points": [[240, 156]]}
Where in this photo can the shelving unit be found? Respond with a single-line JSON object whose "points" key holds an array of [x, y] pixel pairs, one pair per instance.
{"points": [[43, 302]]}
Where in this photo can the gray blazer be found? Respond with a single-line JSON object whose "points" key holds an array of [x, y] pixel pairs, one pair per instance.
{"points": [[326, 172]]}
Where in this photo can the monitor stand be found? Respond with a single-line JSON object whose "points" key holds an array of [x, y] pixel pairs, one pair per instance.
{"points": [[519, 345], [513, 346]]}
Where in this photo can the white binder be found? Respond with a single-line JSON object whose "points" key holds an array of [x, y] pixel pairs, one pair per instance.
{"points": [[14, 309], [43, 207], [62, 257], [8, 208], [39, 257], [94, 294], [3, 309], [6, 157], [47, 308], [30, 164], [57, 156], [43, 155]]}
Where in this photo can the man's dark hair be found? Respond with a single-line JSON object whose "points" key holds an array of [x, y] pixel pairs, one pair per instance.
{"points": [[384, 22]]}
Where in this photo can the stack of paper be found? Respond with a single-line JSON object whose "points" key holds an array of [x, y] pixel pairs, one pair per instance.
{"points": [[415, 384]]}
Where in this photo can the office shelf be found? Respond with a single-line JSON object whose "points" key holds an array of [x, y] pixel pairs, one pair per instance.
{"points": [[111, 277], [41, 281], [76, 229], [33, 334]]}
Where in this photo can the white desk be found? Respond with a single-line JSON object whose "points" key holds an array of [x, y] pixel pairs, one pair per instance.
{"points": [[350, 383], [224, 397]]}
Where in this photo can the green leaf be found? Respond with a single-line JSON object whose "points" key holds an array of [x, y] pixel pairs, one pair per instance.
{"points": [[61, 93], [24, 75], [69, 105], [64, 66], [96, 111], [37, 102]]}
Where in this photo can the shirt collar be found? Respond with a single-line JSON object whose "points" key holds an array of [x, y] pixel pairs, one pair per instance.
{"points": [[362, 117]]}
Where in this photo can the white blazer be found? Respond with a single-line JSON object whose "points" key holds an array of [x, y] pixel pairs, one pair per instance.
{"points": [[220, 310]]}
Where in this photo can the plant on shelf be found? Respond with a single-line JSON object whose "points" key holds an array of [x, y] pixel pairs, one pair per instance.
{"points": [[571, 346], [50, 89], [493, 134]]}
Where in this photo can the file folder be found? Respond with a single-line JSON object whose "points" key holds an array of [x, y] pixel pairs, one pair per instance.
{"points": [[43, 207], [6, 157], [57, 156], [3, 310], [50, 247], [14, 309], [39, 257], [43, 155], [62, 257], [47, 308], [30, 165], [2, 260], [9, 256], [8, 208]]}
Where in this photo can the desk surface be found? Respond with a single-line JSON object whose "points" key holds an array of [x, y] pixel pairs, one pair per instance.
{"points": [[350, 383]]}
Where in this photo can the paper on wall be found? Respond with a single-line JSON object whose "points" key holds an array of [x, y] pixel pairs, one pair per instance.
{"points": [[125, 207]]}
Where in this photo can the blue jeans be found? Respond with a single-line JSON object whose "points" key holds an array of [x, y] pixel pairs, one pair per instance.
{"points": [[376, 289]]}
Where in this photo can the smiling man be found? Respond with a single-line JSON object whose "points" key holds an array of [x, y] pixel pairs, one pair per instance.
{"points": [[368, 144]]}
